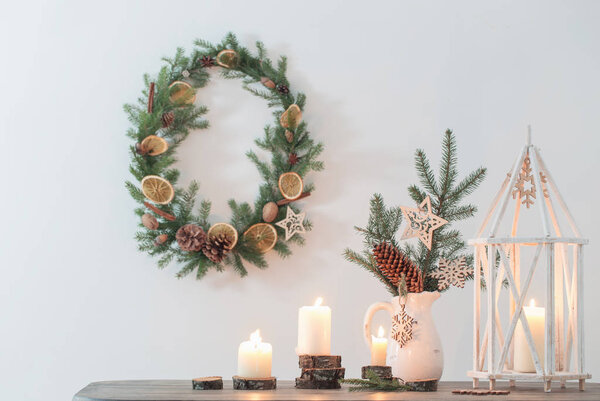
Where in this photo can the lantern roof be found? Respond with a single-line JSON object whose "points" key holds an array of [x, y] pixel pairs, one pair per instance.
{"points": [[529, 185]]}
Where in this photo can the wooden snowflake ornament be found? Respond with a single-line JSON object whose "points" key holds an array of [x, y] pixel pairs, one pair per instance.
{"points": [[292, 224], [452, 272], [402, 327], [421, 222]]}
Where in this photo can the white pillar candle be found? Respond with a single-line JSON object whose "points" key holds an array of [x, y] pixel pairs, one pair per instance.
{"points": [[254, 358], [379, 348], [314, 329], [536, 319]]}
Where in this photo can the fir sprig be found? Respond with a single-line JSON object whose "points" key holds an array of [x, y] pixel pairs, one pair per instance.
{"points": [[188, 118], [375, 383]]}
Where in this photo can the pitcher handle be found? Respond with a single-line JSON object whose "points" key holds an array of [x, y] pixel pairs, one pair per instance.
{"points": [[369, 316]]}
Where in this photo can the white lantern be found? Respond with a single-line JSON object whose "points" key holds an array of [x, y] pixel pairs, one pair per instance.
{"points": [[562, 355]]}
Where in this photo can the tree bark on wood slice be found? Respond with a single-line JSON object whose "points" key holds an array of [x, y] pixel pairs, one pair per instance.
{"points": [[244, 383], [323, 374], [159, 212], [306, 384], [208, 383], [319, 361], [384, 372], [424, 385]]}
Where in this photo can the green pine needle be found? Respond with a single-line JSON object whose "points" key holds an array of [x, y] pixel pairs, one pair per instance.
{"points": [[375, 383], [189, 118]]}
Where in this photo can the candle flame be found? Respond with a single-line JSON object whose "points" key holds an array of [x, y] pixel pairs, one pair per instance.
{"points": [[532, 303], [255, 337], [380, 332], [318, 301]]}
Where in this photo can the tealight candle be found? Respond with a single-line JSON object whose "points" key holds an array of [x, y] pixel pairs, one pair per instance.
{"points": [[379, 349], [314, 329], [254, 358], [536, 319]]}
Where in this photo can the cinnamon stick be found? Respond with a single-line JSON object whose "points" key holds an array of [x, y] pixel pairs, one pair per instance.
{"points": [[159, 212], [286, 201], [151, 98]]}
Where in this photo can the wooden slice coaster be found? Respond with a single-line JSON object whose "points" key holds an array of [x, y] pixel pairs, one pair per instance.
{"points": [[319, 361], [424, 385], [307, 384], [244, 383], [208, 383], [323, 374], [384, 372]]}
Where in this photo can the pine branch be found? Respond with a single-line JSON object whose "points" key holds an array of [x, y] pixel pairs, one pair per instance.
{"points": [[375, 383], [425, 173], [368, 263]]}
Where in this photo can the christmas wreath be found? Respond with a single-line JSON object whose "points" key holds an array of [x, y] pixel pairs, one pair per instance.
{"points": [[166, 115]]}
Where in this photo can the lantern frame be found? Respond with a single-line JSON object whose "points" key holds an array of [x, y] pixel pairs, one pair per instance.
{"points": [[493, 352]]}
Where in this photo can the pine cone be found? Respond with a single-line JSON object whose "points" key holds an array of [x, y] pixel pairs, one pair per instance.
{"points": [[283, 89], [216, 248], [190, 237], [167, 119], [392, 264]]}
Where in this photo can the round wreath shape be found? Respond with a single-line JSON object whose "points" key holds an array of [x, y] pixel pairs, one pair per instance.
{"points": [[170, 227]]}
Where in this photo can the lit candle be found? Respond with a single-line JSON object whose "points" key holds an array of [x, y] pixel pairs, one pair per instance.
{"points": [[536, 318], [379, 348], [314, 329], [254, 358]]}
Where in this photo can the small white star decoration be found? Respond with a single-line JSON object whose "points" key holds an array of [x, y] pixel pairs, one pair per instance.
{"points": [[402, 327], [452, 272], [292, 224], [421, 222]]}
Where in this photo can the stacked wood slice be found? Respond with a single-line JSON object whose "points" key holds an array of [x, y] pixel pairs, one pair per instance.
{"points": [[320, 372]]}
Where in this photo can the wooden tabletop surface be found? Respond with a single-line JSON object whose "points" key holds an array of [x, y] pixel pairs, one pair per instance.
{"points": [[181, 390]]}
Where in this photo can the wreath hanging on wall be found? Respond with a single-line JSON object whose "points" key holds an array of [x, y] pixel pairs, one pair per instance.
{"points": [[170, 229]]}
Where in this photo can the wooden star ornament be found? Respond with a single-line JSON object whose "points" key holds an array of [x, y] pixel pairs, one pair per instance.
{"points": [[292, 224], [421, 222]]}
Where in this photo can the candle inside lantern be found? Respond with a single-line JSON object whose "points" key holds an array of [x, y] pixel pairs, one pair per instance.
{"points": [[536, 319], [379, 348], [314, 329], [254, 358]]}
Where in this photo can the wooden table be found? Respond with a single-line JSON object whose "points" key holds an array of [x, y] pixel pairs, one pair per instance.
{"points": [[181, 390]]}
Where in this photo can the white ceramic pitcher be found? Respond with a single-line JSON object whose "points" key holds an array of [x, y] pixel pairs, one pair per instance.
{"points": [[422, 357]]}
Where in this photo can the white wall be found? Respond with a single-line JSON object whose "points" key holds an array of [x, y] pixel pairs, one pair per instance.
{"points": [[78, 303]]}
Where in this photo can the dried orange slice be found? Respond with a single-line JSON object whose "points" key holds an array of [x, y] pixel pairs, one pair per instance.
{"points": [[181, 92], [226, 229], [228, 58], [157, 189], [262, 236], [290, 185], [154, 145], [291, 117]]}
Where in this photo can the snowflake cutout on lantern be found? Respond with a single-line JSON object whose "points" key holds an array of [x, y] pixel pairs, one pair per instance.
{"points": [[452, 272], [402, 327], [421, 222], [525, 186], [292, 224]]}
